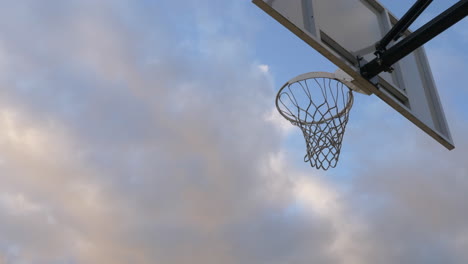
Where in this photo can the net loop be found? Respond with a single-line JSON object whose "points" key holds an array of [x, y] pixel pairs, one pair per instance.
{"points": [[319, 104]]}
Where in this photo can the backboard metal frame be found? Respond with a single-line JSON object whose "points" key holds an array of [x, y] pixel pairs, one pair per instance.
{"points": [[421, 106]]}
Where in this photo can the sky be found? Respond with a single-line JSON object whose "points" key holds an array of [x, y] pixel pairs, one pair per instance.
{"points": [[146, 132]]}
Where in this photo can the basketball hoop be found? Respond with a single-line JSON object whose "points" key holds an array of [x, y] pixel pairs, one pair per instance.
{"points": [[319, 104]]}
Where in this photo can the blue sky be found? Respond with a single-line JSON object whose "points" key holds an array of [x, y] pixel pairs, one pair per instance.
{"points": [[145, 132]]}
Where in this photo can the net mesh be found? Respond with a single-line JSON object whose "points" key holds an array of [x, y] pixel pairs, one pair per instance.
{"points": [[320, 108]]}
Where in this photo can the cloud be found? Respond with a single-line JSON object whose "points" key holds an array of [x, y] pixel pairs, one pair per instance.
{"points": [[409, 192], [129, 135], [116, 149], [264, 68]]}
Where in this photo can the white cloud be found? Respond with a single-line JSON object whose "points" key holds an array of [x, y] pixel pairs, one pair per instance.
{"points": [[315, 198], [279, 122], [264, 68], [18, 204]]}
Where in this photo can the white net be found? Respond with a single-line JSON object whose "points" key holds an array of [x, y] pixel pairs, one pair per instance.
{"points": [[320, 107]]}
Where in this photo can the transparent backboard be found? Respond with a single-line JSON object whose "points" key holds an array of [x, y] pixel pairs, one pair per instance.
{"points": [[345, 32]]}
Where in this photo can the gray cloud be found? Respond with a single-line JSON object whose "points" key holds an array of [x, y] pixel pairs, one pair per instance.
{"points": [[122, 142], [411, 191], [130, 135]]}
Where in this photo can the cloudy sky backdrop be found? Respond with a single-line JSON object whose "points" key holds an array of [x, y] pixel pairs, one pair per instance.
{"points": [[145, 132]]}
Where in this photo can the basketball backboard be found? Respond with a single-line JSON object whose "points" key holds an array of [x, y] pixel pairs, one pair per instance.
{"points": [[346, 33]]}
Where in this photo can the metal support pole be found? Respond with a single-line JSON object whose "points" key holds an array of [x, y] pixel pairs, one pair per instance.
{"points": [[403, 24], [418, 38]]}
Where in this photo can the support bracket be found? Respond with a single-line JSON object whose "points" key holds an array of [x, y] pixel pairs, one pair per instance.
{"points": [[402, 25], [433, 28]]}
